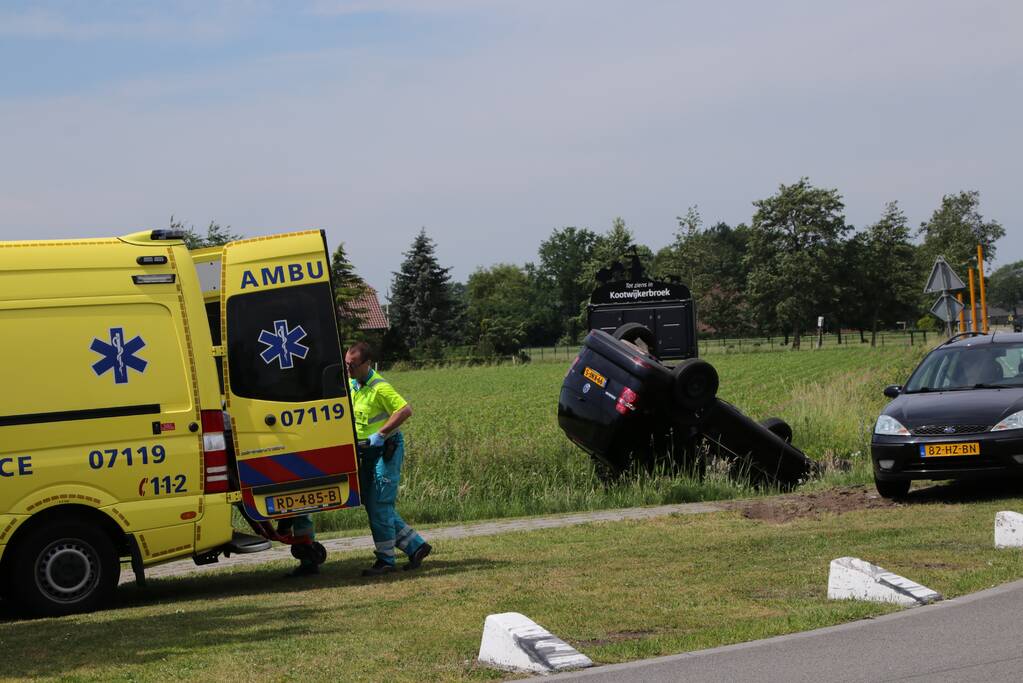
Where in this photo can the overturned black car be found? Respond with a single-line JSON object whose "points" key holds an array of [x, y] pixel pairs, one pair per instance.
{"points": [[627, 409]]}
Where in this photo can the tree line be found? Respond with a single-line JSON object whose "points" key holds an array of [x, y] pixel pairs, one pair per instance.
{"points": [[796, 259]]}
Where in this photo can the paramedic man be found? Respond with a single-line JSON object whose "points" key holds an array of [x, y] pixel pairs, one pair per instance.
{"points": [[379, 413]]}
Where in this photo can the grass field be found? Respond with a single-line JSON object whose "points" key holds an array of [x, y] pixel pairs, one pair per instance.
{"points": [[618, 592], [484, 441]]}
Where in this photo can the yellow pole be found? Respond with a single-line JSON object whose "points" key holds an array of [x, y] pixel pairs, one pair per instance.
{"points": [[973, 304], [980, 277], [962, 313]]}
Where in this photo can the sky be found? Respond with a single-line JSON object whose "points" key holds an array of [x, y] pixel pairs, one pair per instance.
{"points": [[491, 124]]}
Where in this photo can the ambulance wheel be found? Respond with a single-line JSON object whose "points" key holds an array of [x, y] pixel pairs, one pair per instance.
{"points": [[696, 384], [319, 553], [302, 551], [63, 567], [779, 428], [635, 332]]}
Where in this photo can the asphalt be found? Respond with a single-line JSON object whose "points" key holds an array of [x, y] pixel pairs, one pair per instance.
{"points": [[972, 638]]}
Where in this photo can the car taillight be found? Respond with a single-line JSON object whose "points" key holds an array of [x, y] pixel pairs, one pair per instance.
{"points": [[626, 401], [214, 451]]}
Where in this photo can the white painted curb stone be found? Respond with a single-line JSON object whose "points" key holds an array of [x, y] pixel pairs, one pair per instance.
{"points": [[512, 641], [1008, 530], [851, 578]]}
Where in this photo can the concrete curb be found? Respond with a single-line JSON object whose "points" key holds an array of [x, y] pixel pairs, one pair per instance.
{"points": [[514, 642], [851, 578], [1008, 530]]}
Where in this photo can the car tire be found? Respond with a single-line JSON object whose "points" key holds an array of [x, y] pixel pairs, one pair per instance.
{"points": [[779, 428], [635, 332], [892, 489], [63, 567], [694, 384]]}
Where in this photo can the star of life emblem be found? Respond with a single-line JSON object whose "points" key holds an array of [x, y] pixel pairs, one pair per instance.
{"points": [[118, 355], [283, 344]]}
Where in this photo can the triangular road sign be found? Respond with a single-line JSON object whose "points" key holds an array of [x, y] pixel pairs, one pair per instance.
{"points": [[947, 308], [942, 278]]}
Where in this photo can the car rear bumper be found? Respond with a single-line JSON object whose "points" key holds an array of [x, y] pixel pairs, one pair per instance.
{"points": [[1000, 454]]}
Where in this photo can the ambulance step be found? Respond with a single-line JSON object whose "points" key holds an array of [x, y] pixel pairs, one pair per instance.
{"points": [[209, 557], [246, 543]]}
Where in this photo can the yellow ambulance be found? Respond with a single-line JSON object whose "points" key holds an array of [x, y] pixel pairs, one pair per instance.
{"points": [[147, 391]]}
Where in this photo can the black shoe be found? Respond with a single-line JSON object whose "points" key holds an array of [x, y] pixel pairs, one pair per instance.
{"points": [[303, 570], [416, 558], [379, 568]]}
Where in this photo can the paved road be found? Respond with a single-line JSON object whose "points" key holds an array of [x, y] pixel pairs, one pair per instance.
{"points": [[972, 638], [438, 534]]}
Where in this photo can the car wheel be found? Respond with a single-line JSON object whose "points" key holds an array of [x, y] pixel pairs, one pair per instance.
{"points": [[63, 567], [635, 332], [695, 384], [892, 489], [779, 428]]}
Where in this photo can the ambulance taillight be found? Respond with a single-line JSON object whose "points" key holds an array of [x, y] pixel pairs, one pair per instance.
{"points": [[214, 451]]}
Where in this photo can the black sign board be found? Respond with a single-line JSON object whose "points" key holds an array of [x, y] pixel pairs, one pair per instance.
{"points": [[666, 308], [636, 292]]}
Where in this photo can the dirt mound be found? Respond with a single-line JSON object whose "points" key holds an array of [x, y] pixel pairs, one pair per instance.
{"points": [[812, 504]]}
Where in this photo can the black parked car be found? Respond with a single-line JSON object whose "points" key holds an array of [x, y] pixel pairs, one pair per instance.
{"points": [[960, 415]]}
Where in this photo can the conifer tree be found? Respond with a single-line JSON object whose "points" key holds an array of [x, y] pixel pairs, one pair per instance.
{"points": [[422, 307], [349, 288]]}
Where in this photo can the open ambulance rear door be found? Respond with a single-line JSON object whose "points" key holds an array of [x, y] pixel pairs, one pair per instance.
{"points": [[285, 384]]}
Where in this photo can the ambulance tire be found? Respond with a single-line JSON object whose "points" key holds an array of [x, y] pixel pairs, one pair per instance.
{"points": [[319, 553], [65, 566], [302, 551]]}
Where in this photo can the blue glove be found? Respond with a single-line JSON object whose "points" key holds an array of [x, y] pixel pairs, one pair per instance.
{"points": [[376, 440]]}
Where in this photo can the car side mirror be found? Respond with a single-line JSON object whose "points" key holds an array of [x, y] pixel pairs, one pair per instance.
{"points": [[332, 381], [892, 390]]}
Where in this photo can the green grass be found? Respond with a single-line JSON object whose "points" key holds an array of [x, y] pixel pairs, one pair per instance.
{"points": [[484, 442], [618, 592]]}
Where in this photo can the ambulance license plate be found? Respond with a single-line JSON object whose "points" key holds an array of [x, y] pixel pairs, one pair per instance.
{"points": [[947, 450], [305, 500]]}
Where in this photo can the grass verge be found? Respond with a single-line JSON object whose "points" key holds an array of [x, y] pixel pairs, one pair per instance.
{"points": [[484, 442], [618, 591]]}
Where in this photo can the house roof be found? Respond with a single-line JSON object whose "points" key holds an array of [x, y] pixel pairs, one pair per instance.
{"points": [[368, 308]]}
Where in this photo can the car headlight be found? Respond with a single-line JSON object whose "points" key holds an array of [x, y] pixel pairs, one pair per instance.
{"points": [[889, 425], [1014, 421]]}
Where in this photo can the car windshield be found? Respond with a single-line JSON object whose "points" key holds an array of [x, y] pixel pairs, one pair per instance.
{"points": [[969, 367]]}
